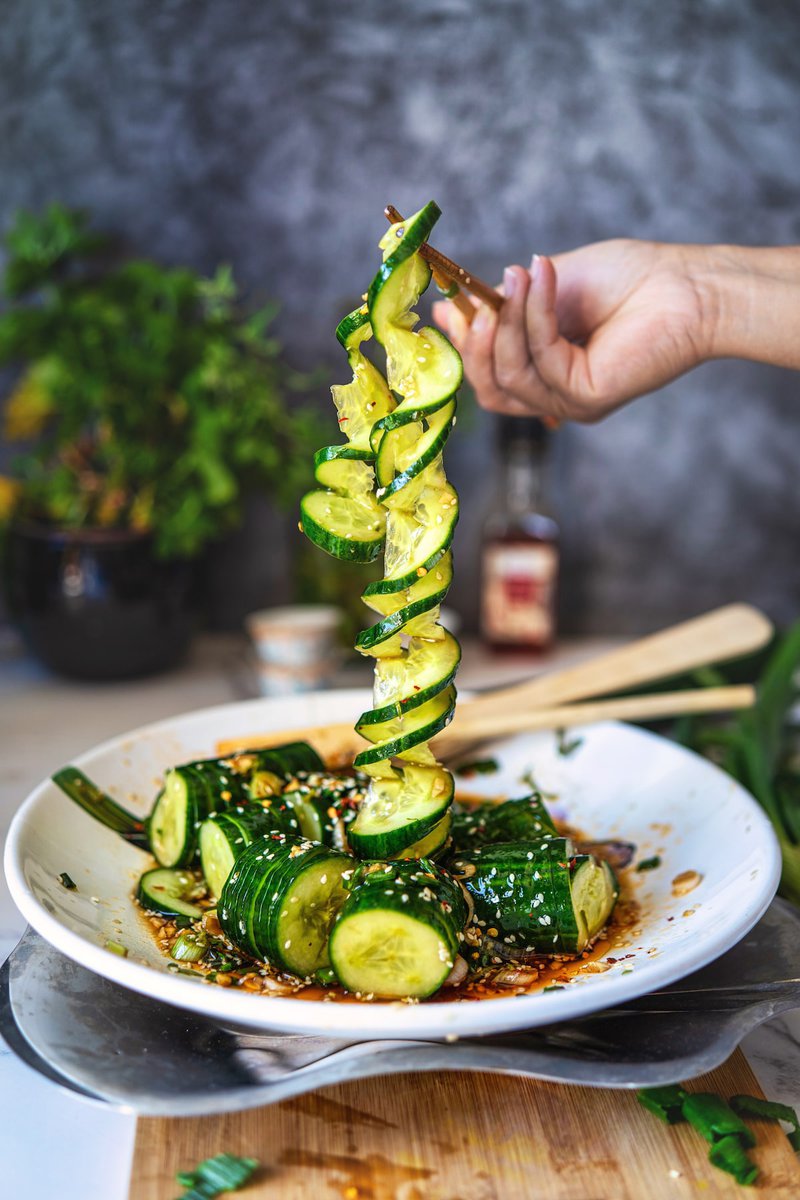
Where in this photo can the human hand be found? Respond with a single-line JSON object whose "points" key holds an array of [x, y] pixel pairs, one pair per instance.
{"points": [[584, 332]]}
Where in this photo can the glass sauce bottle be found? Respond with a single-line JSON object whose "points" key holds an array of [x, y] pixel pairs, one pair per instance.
{"points": [[519, 555]]}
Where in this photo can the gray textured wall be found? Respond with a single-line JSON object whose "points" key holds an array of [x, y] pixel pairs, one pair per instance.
{"points": [[271, 135]]}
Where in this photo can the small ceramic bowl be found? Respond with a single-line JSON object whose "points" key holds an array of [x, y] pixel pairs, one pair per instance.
{"points": [[297, 647]]}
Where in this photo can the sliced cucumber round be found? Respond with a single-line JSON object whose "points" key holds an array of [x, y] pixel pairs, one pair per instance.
{"points": [[280, 900], [170, 893], [399, 931], [398, 811], [410, 679]]}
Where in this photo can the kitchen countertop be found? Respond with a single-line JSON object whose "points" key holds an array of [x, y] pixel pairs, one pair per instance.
{"points": [[44, 723]]}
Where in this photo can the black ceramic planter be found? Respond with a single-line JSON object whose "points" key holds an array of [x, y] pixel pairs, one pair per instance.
{"points": [[97, 604]]}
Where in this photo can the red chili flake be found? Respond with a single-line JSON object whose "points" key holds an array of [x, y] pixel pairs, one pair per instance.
{"points": [[417, 688], [564, 865], [343, 420]]}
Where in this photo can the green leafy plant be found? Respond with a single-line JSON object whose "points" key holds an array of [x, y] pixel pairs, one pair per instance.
{"points": [[760, 747], [146, 400]]}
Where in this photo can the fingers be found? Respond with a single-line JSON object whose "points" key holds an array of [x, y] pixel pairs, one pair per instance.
{"points": [[517, 361], [512, 359]]}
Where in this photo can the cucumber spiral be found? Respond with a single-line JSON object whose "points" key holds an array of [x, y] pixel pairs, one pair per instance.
{"points": [[385, 490]]}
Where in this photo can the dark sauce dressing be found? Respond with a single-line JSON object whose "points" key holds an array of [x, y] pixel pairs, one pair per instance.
{"points": [[536, 974]]}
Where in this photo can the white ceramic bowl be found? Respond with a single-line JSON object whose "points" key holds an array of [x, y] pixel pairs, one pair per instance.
{"points": [[620, 783]]}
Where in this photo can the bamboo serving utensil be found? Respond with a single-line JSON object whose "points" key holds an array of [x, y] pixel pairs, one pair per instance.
{"points": [[549, 701], [340, 743]]}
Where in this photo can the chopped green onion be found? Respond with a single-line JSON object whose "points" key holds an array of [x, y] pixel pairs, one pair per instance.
{"points": [[714, 1118], [553, 987], [67, 881], [479, 766], [649, 864], [566, 746], [99, 805], [224, 1173], [769, 1110], [729, 1155], [665, 1102], [117, 948], [189, 947]]}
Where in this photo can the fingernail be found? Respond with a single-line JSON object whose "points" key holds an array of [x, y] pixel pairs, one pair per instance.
{"points": [[509, 282], [536, 267], [483, 319]]}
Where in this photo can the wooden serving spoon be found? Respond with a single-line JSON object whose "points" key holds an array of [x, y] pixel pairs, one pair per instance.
{"points": [[547, 702]]}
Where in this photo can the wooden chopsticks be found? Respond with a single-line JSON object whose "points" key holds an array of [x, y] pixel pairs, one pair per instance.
{"points": [[449, 277], [447, 273]]}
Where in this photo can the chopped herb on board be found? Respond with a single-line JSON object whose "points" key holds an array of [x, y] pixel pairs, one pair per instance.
{"points": [[68, 882], [213, 1176], [714, 1119], [769, 1110], [649, 864]]}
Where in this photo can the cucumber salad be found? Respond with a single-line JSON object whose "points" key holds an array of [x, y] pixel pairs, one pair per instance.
{"points": [[273, 869]]}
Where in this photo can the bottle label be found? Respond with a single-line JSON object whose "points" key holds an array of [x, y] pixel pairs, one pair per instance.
{"points": [[519, 593]]}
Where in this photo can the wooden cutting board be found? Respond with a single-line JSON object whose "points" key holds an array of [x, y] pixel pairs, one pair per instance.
{"points": [[465, 1137]]}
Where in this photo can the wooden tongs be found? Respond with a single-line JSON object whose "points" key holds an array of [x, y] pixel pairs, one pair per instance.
{"points": [[550, 700]]}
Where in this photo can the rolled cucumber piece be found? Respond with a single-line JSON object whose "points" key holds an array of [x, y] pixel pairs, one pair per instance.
{"points": [[399, 930], [522, 820], [538, 897], [280, 900], [225, 836]]}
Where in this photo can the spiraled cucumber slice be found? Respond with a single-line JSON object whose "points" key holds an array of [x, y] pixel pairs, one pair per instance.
{"points": [[346, 471], [416, 675], [416, 541], [367, 398], [400, 735], [345, 528], [399, 810], [433, 843], [406, 451]]}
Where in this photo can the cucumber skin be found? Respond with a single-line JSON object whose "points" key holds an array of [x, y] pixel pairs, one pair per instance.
{"points": [[445, 911], [242, 826], [203, 783], [510, 905], [523, 820], [252, 898], [207, 778]]}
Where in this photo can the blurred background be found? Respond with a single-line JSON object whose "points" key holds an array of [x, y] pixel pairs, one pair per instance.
{"points": [[269, 138]]}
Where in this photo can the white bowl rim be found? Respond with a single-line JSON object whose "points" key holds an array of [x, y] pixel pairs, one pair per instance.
{"points": [[384, 1020]]}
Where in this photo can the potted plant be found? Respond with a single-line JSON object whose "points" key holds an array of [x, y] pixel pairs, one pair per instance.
{"points": [[148, 408]]}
